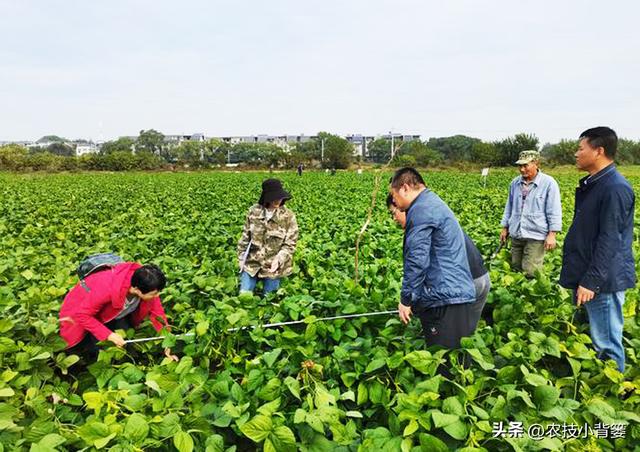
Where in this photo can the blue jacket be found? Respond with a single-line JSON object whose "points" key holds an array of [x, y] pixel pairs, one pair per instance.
{"points": [[436, 269], [540, 213], [597, 252], [476, 262]]}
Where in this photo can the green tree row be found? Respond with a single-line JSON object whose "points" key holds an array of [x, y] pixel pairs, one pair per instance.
{"points": [[460, 148], [18, 158], [151, 151]]}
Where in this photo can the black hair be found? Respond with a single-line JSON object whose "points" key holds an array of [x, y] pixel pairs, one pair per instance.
{"points": [[604, 137], [148, 278], [390, 201], [407, 175]]}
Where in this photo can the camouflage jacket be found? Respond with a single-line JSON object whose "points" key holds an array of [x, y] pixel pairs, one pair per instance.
{"points": [[269, 240]]}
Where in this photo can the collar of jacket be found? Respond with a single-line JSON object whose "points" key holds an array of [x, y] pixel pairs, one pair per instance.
{"points": [[119, 292], [263, 216], [592, 179], [534, 181], [415, 200]]}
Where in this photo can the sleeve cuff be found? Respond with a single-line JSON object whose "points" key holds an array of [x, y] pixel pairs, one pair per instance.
{"points": [[555, 226], [281, 257], [406, 300], [589, 283], [103, 335]]}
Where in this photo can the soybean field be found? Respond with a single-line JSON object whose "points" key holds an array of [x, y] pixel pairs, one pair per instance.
{"points": [[358, 384]]}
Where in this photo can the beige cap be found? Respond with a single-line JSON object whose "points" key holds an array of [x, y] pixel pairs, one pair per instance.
{"points": [[527, 157]]}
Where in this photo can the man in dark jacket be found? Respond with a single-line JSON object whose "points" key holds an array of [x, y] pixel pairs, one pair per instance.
{"points": [[436, 284], [597, 261]]}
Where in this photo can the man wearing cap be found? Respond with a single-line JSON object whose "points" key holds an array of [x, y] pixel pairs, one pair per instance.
{"points": [[532, 215], [265, 251]]}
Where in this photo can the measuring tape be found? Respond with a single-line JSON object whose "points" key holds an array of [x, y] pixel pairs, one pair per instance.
{"points": [[269, 325]]}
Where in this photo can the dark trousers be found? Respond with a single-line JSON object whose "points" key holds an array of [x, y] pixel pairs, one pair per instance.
{"points": [[446, 325], [88, 346]]}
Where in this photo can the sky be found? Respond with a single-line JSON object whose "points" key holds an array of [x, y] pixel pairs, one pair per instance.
{"points": [[488, 69]]}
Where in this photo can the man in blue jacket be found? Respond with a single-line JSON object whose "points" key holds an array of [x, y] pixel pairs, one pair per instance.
{"points": [[597, 261], [532, 215], [479, 272], [437, 285]]}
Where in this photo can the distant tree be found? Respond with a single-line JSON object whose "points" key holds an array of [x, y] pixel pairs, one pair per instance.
{"points": [[628, 152], [122, 144], [379, 150], [423, 155], [294, 158], [258, 154], [510, 148], [189, 152], [221, 153], [244, 153], [455, 148], [61, 149], [147, 161], [562, 153], [311, 150], [274, 156], [52, 139], [12, 156], [338, 152], [215, 151], [402, 160], [150, 141], [45, 161], [115, 161], [484, 153]]}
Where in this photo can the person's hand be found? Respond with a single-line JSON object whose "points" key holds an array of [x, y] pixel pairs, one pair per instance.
{"points": [[504, 234], [550, 241], [116, 339], [404, 313], [583, 295], [167, 353], [274, 266]]}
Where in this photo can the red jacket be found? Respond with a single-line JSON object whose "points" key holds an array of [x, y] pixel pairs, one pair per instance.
{"points": [[83, 311]]}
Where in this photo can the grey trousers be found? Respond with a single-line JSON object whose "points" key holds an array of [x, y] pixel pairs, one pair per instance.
{"points": [[482, 285], [527, 255]]}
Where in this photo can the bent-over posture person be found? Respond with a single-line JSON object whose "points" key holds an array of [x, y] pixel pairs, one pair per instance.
{"points": [[479, 272], [121, 297], [436, 285]]}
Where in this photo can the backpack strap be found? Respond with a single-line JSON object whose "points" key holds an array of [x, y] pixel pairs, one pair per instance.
{"points": [[84, 285]]}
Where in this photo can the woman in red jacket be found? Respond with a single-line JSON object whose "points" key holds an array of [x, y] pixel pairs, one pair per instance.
{"points": [[120, 297]]}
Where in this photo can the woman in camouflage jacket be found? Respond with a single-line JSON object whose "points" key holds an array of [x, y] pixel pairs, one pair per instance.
{"points": [[265, 251]]}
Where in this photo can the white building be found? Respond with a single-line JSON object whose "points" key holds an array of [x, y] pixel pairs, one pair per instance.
{"points": [[86, 148], [177, 139], [360, 144]]}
